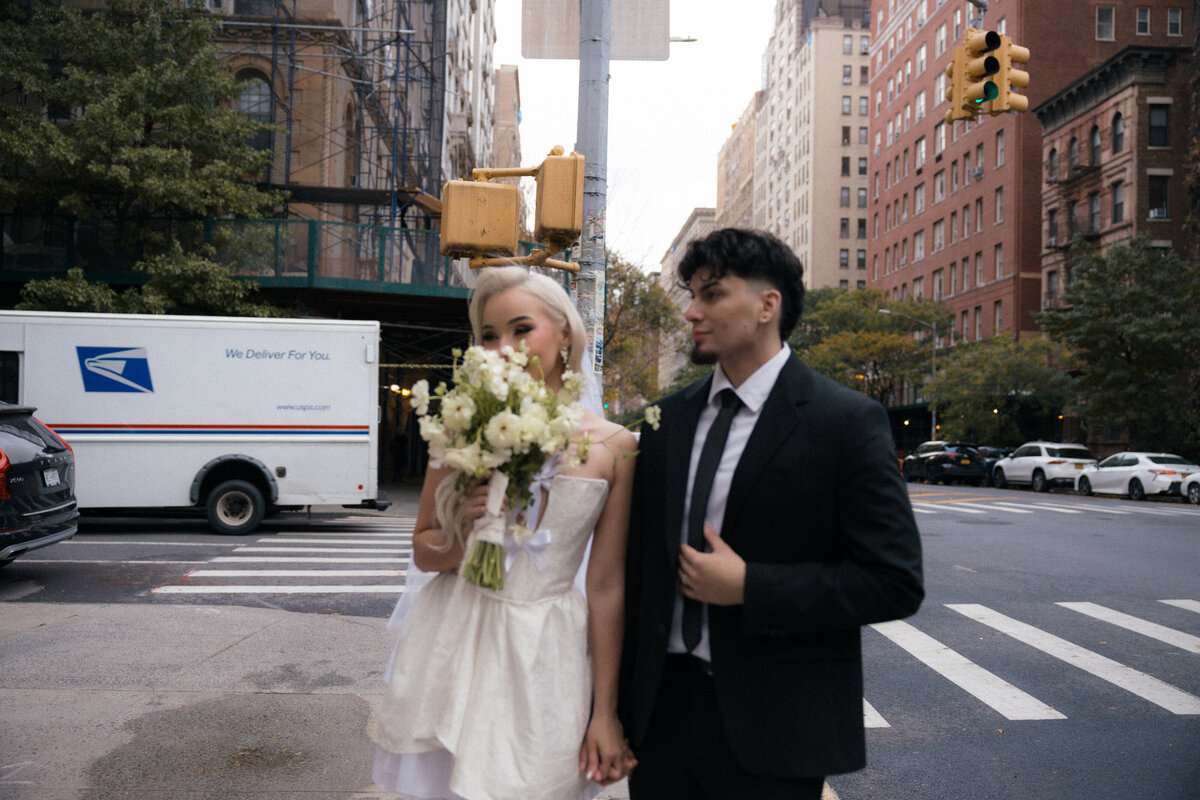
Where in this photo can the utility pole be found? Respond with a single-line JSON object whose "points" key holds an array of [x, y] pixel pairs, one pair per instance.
{"points": [[595, 39]]}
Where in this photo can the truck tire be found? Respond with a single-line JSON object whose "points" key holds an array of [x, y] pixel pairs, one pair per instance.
{"points": [[235, 507]]}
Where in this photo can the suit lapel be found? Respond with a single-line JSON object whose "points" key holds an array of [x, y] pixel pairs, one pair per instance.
{"points": [[680, 436], [780, 414]]}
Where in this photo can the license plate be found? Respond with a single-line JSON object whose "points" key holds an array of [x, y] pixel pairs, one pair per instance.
{"points": [[51, 476], [1079, 466], [966, 462]]}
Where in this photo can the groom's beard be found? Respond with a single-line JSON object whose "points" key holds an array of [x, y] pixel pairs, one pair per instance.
{"points": [[701, 358]]}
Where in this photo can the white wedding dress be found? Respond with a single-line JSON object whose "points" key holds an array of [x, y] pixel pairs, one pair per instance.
{"points": [[489, 692]]}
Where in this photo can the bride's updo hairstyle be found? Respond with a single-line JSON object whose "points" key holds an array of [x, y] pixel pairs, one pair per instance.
{"points": [[494, 280], [448, 501]]}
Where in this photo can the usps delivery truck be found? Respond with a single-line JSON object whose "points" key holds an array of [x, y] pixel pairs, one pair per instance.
{"points": [[237, 416]]}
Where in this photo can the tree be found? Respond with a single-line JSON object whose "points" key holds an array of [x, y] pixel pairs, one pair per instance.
{"points": [[179, 283], [1134, 321], [638, 316], [1000, 391], [123, 113]]}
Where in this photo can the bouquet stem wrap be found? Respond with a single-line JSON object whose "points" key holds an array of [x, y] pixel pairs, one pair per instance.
{"points": [[485, 564]]}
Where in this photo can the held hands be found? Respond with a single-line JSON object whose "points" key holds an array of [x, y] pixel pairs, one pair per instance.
{"points": [[718, 577], [605, 757]]}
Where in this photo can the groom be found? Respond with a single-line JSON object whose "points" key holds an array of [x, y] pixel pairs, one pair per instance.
{"points": [[769, 523]]}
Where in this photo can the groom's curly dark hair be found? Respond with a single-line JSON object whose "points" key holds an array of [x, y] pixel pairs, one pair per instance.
{"points": [[750, 255]]}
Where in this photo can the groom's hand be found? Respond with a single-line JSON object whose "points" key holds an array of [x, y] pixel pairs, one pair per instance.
{"points": [[718, 577]]}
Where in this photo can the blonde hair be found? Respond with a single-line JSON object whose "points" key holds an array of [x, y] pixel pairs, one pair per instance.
{"points": [[448, 501], [494, 280]]}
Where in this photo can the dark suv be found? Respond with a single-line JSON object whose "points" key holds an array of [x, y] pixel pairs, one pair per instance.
{"points": [[945, 462], [37, 484]]}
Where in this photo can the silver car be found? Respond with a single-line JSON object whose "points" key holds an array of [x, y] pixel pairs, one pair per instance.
{"points": [[1136, 475]]}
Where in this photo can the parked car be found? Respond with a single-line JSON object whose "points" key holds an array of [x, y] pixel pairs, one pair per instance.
{"points": [[1041, 465], [990, 456], [1191, 488], [945, 462], [37, 482], [1136, 474]]}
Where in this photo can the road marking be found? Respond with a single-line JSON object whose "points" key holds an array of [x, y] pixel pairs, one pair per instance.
{"points": [[156, 544], [1130, 623], [303, 560], [1078, 508], [322, 589], [872, 718], [921, 510], [296, 573], [1008, 700], [303, 535], [98, 561], [359, 550], [1188, 605], [999, 507], [1043, 506], [1161, 694], [394, 540], [950, 507]]}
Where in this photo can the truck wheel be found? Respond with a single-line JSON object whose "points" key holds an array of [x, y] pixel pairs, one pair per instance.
{"points": [[235, 507]]}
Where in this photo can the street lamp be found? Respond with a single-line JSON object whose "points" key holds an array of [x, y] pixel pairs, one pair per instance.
{"points": [[933, 358]]}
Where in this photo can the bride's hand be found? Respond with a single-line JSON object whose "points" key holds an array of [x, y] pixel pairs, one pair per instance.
{"points": [[605, 757], [475, 504]]}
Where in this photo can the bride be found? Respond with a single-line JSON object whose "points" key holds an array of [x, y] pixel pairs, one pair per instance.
{"points": [[511, 694]]}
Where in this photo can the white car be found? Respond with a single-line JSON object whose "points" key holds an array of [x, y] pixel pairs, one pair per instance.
{"points": [[1191, 488], [1041, 465], [1137, 475]]}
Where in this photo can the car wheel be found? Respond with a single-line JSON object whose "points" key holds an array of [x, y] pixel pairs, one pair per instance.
{"points": [[235, 507], [1039, 481], [999, 479], [1085, 486], [1193, 494], [1136, 491]]}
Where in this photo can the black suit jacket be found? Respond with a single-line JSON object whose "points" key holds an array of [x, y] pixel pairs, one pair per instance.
{"points": [[818, 510]]}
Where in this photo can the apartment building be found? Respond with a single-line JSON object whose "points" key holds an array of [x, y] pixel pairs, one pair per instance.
{"points": [[735, 171], [956, 208], [672, 353], [811, 147]]}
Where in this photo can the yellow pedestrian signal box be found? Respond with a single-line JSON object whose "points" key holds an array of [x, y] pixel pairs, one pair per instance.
{"points": [[479, 217], [558, 213], [1009, 77], [981, 64]]}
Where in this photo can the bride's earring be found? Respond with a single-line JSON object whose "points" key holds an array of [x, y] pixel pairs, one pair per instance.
{"points": [[565, 354]]}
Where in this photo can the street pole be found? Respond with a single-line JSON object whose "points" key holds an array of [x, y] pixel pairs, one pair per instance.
{"points": [[595, 37]]}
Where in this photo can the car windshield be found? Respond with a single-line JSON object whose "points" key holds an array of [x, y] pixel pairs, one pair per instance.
{"points": [[962, 448], [1070, 452], [1168, 460]]}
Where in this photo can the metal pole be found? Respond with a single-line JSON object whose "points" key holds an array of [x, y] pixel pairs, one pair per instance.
{"points": [[595, 28], [933, 359]]}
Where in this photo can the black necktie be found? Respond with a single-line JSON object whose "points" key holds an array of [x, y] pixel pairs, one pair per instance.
{"points": [[710, 458]]}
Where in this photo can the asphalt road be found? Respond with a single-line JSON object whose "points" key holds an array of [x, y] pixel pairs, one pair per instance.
{"points": [[1057, 654]]}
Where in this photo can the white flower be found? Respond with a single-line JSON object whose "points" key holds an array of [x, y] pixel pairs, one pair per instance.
{"points": [[653, 416], [468, 459], [433, 431], [504, 431], [420, 397], [458, 409]]}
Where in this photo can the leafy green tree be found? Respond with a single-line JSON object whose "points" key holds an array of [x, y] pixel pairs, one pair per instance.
{"points": [[1134, 320], [124, 112], [179, 283], [1002, 392], [638, 317]]}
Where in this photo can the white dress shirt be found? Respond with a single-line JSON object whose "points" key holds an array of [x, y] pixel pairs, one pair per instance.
{"points": [[753, 393]]}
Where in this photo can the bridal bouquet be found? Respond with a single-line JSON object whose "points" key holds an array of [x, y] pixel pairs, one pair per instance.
{"points": [[499, 419]]}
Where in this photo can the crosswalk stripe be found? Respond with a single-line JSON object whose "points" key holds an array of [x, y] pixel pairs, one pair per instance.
{"points": [[297, 573], [1189, 605], [1161, 694], [306, 560], [951, 507], [998, 507], [358, 550], [302, 536], [1130, 623], [396, 540], [872, 718], [282, 589], [1008, 700], [1079, 508], [921, 510], [1042, 506]]}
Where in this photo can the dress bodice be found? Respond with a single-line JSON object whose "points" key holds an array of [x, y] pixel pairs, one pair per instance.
{"points": [[546, 566]]}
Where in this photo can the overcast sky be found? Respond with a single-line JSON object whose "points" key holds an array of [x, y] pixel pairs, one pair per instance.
{"points": [[667, 119]]}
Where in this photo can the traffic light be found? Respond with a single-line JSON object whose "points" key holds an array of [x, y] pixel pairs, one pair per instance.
{"points": [[479, 217], [558, 213], [981, 64], [954, 91], [1008, 77]]}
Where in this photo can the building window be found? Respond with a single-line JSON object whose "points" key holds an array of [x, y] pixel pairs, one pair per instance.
{"points": [[847, 74], [919, 199], [862, 136], [1159, 196], [1160, 125], [1174, 20], [1072, 156], [953, 227], [939, 40], [844, 258], [862, 165], [862, 227], [845, 228], [920, 150], [1052, 165], [864, 45], [919, 245], [998, 315], [999, 205], [999, 253], [1118, 133], [1052, 284], [950, 288], [847, 44], [864, 106], [1052, 227], [844, 200], [845, 166], [939, 137], [1104, 23], [979, 215], [254, 102], [846, 134], [1094, 212], [844, 284], [1094, 146], [978, 323], [939, 236], [861, 256], [939, 186], [937, 284], [864, 76], [918, 287], [999, 148], [862, 198], [846, 106], [1071, 226], [1118, 202], [1143, 21]]}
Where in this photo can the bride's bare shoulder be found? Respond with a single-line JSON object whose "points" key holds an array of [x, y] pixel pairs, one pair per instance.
{"points": [[601, 430]]}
